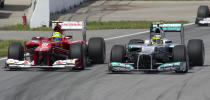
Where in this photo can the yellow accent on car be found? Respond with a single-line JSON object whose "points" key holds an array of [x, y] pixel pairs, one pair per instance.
{"points": [[11, 61], [57, 21], [160, 22]]}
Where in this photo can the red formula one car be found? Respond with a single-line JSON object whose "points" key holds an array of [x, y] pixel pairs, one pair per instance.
{"points": [[43, 52]]}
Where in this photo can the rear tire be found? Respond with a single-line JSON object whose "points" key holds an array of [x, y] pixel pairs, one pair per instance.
{"points": [[196, 52], [197, 20], [203, 11], [118, 53], [77, 52], [136, 41], [16, 51], [179, 55], [35, 38], [97, 50]]}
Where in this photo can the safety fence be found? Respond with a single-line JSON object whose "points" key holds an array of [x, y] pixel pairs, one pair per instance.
{"points": [[40, 10]]}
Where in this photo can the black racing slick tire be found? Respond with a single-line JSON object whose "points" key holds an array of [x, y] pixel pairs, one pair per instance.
{"points": [[2, 5], [97, 50], [16, 51], [37, 38], [196, 21], [118, 53], [196, 52], [203, 11], [77, 52], [33, 38], [179, 55], [136, 41]]}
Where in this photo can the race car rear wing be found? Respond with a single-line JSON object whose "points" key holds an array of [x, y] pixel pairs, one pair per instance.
{"points": [[169, 27], [72, 25]]}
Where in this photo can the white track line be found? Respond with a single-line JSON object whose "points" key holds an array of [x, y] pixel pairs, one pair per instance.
{"points": [[138, 33], [3, 58], [189, 24], [126, 35]]}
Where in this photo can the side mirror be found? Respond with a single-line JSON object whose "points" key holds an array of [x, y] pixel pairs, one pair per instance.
{"points": [[69, 37], [168, 41]]}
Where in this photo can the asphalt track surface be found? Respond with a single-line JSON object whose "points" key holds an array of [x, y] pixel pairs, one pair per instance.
{"points": [[96, 83]]}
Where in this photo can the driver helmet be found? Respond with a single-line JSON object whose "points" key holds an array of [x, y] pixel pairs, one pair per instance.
{"points": [[158, 30], [56, 36], [157, 39]]}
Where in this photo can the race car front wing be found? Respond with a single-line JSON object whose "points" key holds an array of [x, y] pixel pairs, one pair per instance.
{"points": [[127, 67], [69, 63]]}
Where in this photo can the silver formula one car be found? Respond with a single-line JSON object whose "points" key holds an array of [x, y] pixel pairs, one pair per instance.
{"points": [[158, 53], [203, 16]]}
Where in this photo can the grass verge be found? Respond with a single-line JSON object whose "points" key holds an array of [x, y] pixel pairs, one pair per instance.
{"points": [[20, 27], [124, 24], [4, 44], [95, 25]]}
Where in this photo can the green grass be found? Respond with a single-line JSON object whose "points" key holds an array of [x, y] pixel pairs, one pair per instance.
{"points": [[4, 44], [95, 25], [19, 27], [123, 24]]}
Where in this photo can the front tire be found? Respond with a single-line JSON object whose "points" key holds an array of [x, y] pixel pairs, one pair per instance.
{"points": [[16, 51], [77, 52], [118, 53], [179, 55]]}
